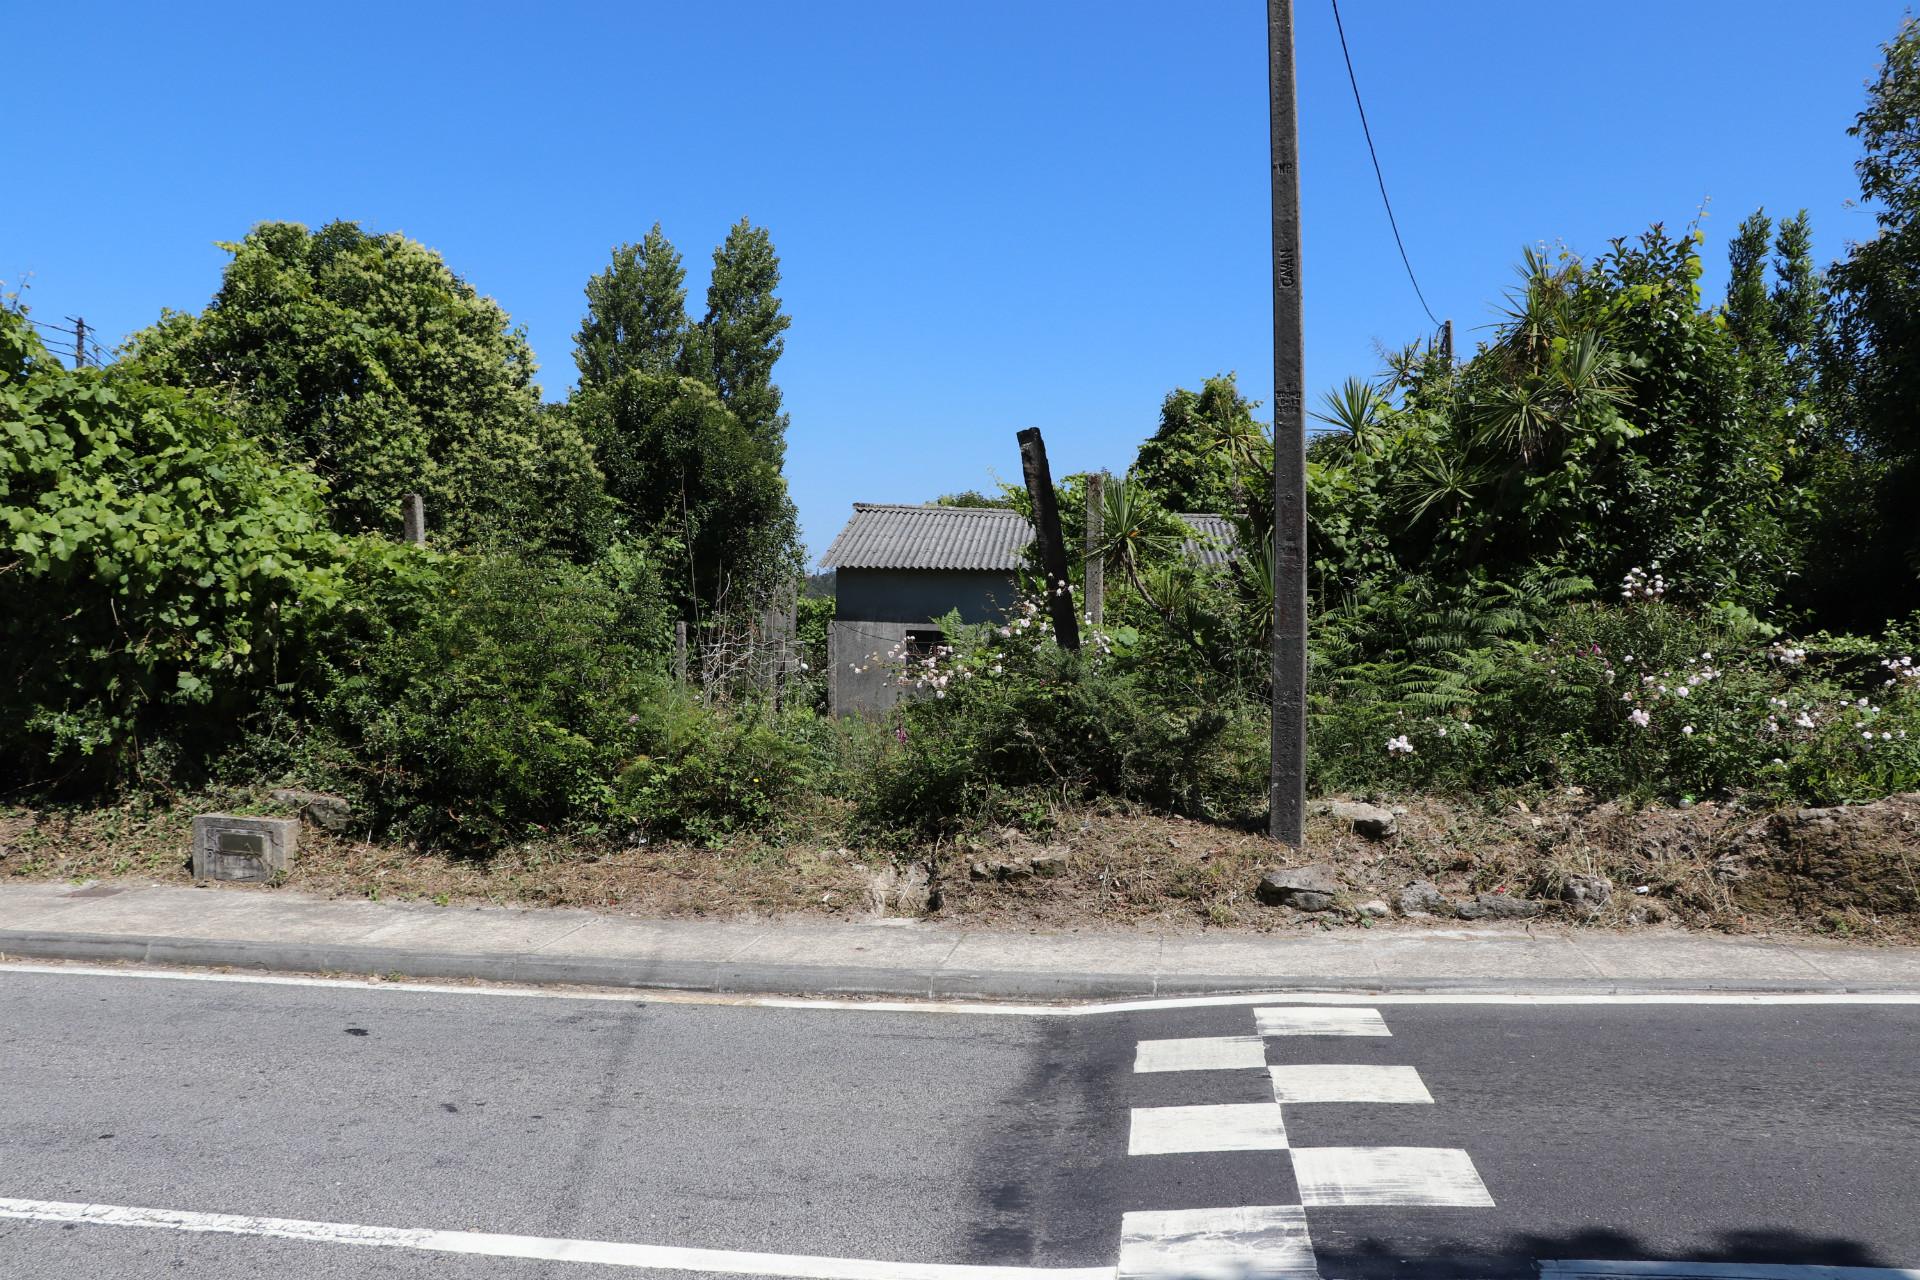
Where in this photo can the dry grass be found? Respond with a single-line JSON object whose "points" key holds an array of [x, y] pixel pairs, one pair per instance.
{"points": [[1704, 867]]}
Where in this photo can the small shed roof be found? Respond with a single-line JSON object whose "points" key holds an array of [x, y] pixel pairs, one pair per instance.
{"points": [[1214, 545], [889, 535], [885, 535]]}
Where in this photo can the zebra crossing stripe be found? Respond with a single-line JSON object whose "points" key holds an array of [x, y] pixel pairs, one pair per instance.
{"points": [[1401, 1176], [1347, 1082], [1234, 1126], [1249, 1242], [1206, 1053], [1330, 1020]]}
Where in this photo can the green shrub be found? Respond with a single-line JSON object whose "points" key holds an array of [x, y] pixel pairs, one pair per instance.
{"points": [[158, 572], [999, 727], [482, 697]]}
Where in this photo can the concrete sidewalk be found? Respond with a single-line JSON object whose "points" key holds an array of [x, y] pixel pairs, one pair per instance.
{"points": [[278, 929]]}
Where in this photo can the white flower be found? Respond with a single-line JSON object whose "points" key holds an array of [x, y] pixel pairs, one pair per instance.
{"points": [[1687, 729], [1804, 720], [1641, 719], [1778, 760], [1399, 746], [1681, 691]]}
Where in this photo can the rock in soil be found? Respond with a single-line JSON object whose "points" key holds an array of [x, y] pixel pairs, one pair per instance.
{"points": [[1368, 820], [1499, 906], [1422, 898], [901, 889], [1309, 888], [1374, 908], [332, 813], [1048, 864]]}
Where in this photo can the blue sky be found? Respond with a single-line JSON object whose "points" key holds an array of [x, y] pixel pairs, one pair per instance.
{"points": [[991, 215]]}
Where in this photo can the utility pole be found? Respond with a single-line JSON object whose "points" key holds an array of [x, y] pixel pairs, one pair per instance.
{"points": [[79, 341], [1288, 798], [1096, 572], [413, 520], [1446, 341], [1046, 530]]}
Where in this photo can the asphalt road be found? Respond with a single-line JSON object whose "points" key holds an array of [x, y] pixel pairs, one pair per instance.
{"points": [[1768, 1134]]}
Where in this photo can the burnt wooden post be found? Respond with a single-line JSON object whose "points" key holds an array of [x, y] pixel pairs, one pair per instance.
{"points": [[1046, 529], [1288, 798], [1096, 571]]}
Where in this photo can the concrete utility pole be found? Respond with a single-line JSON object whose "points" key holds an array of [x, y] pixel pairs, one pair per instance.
{"points": [[1096, 574], [1046, 528], [1446, 341], [413, 520], [1287, 812], [79, 341]]}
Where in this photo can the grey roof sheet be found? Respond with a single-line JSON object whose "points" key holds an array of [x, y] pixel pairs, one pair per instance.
{"points": [[885, 535], [1214, 545]]}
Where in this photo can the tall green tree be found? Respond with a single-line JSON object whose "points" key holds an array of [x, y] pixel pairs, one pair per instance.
{"points": [[1193, 461], [1871, 366], [685, 472], [741, 339], [636, 319], [364, 358], [1797, 304], [1749, 304]]}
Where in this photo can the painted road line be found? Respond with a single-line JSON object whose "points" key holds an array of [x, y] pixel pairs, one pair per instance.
{"points": [[1598, 1270], [1441, 1176], [543, 1248], [1233, 1126], [1518, 996], [1326, 1020], [1204, 1053], [1346, 1082], [1253, 1242]]}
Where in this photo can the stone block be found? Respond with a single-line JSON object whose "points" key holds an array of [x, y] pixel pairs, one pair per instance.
{"points": [[228, 847]]}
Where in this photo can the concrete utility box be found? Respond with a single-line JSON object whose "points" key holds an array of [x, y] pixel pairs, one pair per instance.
{"points": [[226, 847]]}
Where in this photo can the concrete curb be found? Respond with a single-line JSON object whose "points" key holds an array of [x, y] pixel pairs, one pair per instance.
{"points": [[823, 980]]}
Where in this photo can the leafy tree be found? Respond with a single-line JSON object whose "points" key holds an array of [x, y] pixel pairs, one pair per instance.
{"points": [[636, 319], [740, 339], [1191, 463], [684, 471], [1611, 423], [1871, 359], [158, 569], [364, 358], [1749, 306], [1797, 304], [974, 498]]}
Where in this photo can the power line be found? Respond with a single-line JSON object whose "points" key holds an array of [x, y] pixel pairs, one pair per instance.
{"points": [[1380, 177]]}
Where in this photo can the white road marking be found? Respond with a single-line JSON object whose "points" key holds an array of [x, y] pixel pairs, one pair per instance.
{"points": [[1233, 1126], [1347, 1082], [1578, 1270], [983, 1007], [545, 1248], [1388, 1176], [1253, 1242], [1326, 1020], [1205, 1053]]}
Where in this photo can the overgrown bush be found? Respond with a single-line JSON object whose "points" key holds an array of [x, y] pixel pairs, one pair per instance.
{"points": [[481, 697], [159, 573], [1001, 725], [1644, 699]]}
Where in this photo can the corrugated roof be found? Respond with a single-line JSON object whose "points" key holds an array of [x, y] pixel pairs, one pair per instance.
{"points": [[885, 535], [1214, 545]]}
